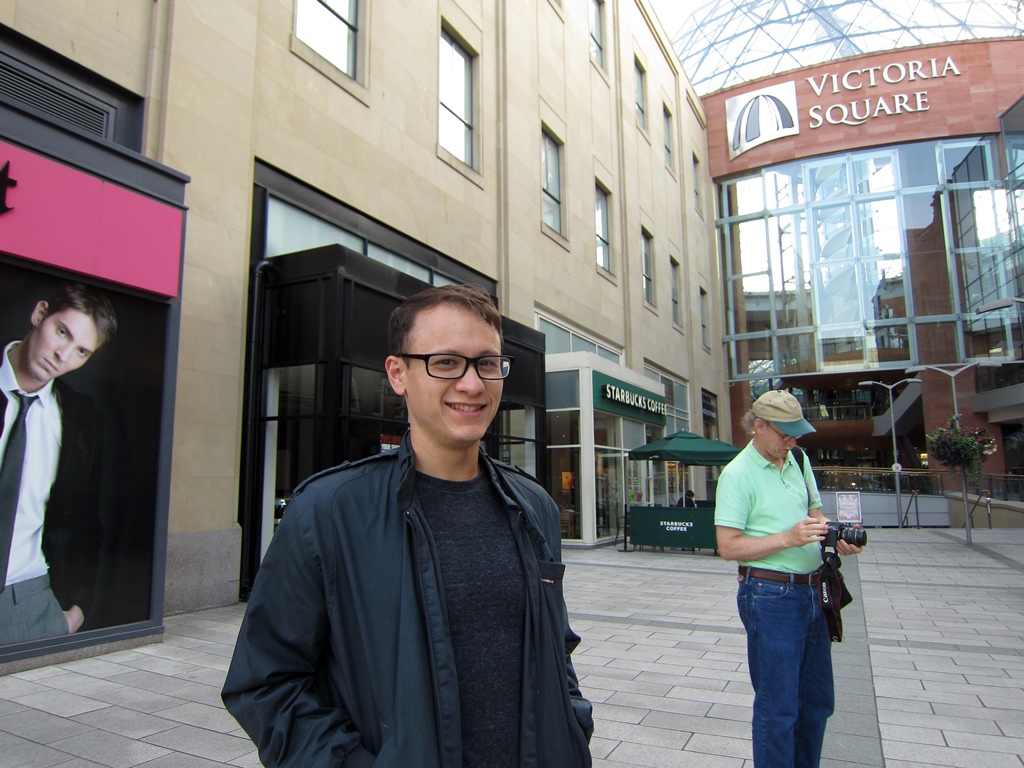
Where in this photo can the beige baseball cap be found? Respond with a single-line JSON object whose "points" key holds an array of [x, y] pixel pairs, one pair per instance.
{"points": [[784, 412]]}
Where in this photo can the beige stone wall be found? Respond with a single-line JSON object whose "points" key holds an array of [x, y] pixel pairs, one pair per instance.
{"points": [[226, 84]]}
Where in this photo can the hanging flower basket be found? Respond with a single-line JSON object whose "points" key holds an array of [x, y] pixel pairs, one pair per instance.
{"points": [[957, 448]]}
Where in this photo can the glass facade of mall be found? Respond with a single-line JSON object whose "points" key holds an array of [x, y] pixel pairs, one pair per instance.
{"points": [[871, 259]]}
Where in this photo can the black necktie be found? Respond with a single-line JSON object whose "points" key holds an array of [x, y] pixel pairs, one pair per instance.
{"points": [[10, 482]]}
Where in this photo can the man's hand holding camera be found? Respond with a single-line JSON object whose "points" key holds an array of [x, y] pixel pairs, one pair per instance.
{"points": [[809, 530], [847, 539]]}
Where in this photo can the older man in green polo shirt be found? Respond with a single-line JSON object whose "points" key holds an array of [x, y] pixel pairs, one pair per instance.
{"points": [[768, 517]]}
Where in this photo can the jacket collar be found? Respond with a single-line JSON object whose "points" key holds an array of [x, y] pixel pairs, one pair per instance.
{"points": [[494, 472]]}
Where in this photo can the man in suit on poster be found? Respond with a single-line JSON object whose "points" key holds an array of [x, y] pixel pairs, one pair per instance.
{"points": [[50, 528]]}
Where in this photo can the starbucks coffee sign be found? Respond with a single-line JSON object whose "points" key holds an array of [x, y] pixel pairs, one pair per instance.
{"points": [[628, 400]]}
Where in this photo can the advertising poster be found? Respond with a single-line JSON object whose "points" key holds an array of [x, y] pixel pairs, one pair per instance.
{"points": [[83, 542], [848, 507]]}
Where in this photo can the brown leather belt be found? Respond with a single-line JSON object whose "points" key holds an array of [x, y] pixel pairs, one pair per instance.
{"points": [[789, 578]]}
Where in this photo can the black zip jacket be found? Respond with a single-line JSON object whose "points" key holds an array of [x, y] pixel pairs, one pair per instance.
{"points": [[343, 658]]}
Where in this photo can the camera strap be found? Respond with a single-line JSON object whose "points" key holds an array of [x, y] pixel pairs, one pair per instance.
{"points": [[801, 461]]}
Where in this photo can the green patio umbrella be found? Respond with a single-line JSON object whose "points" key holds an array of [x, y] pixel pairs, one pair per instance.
{"points": [[688, 448]]}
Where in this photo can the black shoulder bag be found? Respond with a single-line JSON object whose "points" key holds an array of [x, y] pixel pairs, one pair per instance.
{"points": [[832, 591]]}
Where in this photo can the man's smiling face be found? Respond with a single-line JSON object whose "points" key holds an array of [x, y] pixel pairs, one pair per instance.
{"points": [[447, 417]]}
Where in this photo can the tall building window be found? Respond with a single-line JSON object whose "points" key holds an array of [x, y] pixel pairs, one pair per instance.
{"points": [[641, 94], [455, 84], [704, 338], [648, 266], [604, 251], [677, 309], [558, 339], [669, 137], [696, 182], [329, 28], [597, 32], [677, 400], [551, 173]]}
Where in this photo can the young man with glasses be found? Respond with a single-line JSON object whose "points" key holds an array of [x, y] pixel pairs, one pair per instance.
{"points": [[768, 517], [409, 610]]}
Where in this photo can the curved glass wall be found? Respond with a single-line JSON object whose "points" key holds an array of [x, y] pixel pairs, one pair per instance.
{"points": [[726, 42], [871, 259]]}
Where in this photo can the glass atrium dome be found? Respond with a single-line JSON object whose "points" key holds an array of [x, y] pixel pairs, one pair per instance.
{"points": [[726, 42]]}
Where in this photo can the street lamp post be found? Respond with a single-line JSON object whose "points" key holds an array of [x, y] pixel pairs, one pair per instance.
{"points": [[896, 466], [956, 417], [1006, 303]]}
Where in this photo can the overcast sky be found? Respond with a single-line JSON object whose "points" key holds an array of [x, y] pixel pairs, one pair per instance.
{"points": [[672, 12]]}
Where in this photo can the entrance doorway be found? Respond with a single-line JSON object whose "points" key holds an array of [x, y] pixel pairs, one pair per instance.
{"points": [[317, 394]]}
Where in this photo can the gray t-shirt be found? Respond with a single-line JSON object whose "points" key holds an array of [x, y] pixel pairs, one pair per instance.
{"points": [[485, 593]]}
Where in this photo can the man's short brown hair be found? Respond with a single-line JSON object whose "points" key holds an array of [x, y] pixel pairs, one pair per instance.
{"points": [[469, 297], [89, 301]]}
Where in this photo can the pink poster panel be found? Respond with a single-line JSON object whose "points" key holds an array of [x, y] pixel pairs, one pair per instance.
{"points": [[53, 214]]}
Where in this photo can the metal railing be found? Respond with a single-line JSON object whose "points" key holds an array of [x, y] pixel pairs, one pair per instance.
{"points": [[874, 480], [1001, 487]]}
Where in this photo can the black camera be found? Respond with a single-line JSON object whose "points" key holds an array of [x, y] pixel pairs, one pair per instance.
{"points": [[837, 532]]}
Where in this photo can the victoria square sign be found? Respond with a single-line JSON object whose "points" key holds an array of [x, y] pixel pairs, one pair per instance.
{"points": [[843, 98]]}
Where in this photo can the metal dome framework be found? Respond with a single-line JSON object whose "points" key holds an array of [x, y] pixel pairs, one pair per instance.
{"points": [[727, 42]]}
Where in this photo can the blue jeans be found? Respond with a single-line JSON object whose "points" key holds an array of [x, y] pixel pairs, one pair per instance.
{"points": [[790, 658]]}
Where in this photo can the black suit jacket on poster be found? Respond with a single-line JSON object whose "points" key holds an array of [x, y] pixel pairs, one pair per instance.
{"points": [[72, 529]]}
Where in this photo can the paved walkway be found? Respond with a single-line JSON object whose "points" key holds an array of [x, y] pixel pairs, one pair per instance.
{"points": [[931, 673]]}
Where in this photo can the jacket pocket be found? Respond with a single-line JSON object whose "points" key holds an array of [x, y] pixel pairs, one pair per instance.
{"points": [[550, 573]]}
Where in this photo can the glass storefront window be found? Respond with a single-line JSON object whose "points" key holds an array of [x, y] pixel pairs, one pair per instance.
{"points": [[966, 162], [609, 502], [755, 357], [563, 389], [393, 260], [563, 427], [874, 174], [879, 228], [291, 229], [890, 297], [606, 429], [371, 394], [850, 245], [838, 294], [744, 196], [890, 344], [829, 181], [556, 339], [785, 186], [841, 352], [632, 434], [367, 438], [291, 427], [517, 443], [833, 233], [580, 344], [296, 386], [750, 237], [797, 353], [563, 474], [918, 165], [791, 274]]}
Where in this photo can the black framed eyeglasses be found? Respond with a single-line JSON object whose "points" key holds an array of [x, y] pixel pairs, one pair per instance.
{"points": [[448, 366]]}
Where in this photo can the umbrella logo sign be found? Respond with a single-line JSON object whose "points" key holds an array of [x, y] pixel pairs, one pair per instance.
{"points": [[756, 118]]}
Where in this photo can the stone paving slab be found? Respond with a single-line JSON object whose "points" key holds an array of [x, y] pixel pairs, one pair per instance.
{"points": [[931, 674]]}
